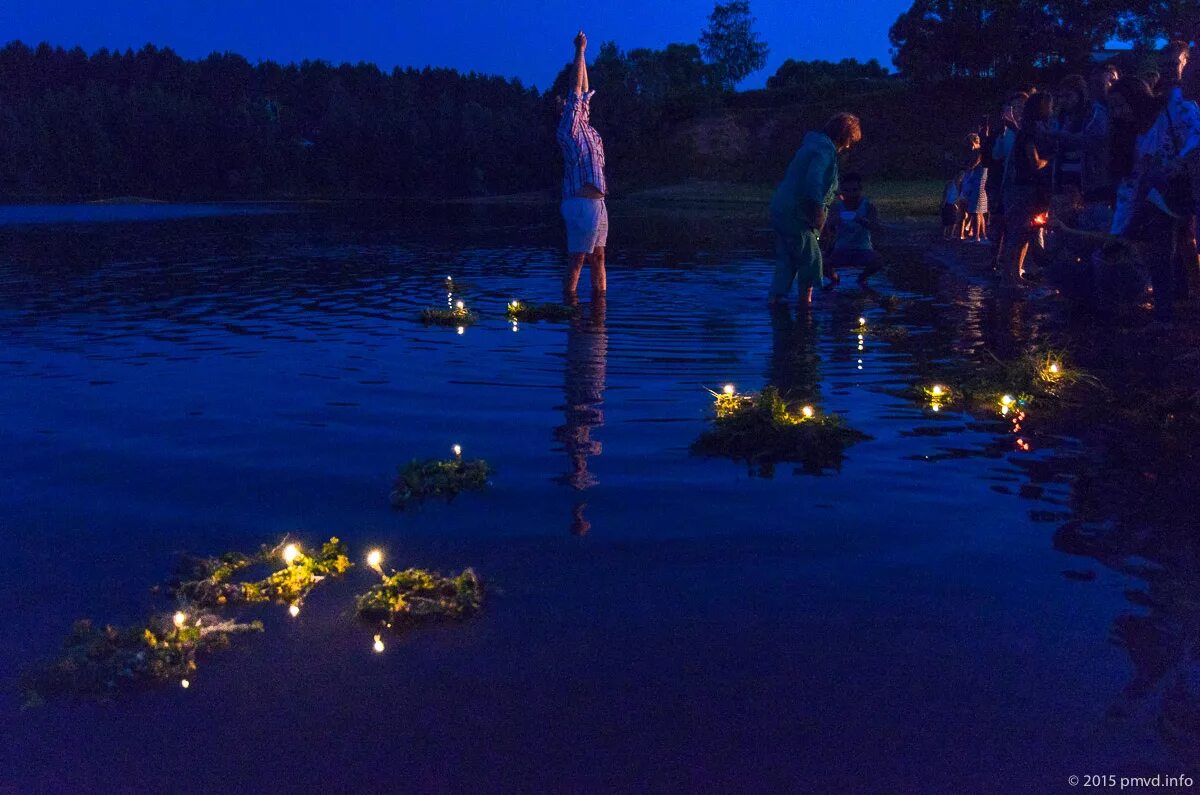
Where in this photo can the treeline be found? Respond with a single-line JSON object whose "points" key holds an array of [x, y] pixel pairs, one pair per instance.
{"points": [[1018, 40], [151, 123]]}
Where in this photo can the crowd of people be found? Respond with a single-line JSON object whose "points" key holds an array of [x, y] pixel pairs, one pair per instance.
{"points": [[1091, 186]]}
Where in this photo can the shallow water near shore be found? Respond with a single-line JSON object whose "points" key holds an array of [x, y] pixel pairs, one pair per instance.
{"points": [[653, 619]]}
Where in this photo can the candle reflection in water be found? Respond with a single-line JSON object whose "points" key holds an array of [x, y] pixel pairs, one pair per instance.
{"points": [[586, 368]]}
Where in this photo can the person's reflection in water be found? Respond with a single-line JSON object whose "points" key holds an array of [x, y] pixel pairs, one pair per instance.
{"points": [[587, 354], [794, 366]]}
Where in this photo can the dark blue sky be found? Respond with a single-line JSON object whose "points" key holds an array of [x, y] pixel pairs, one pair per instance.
{"points": [[530, 39]]}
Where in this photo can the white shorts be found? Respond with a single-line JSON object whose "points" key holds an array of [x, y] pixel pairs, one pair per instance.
{"points": [[587, 224]]}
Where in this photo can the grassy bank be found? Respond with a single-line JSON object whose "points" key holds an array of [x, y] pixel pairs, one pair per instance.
{"points": [[896, 199]]}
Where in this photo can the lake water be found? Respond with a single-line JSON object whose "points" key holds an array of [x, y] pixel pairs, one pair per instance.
{"points": [[654, 620]]}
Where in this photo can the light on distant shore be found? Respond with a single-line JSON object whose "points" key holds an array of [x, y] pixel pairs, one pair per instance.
{"points": [[290, 553], [461, 330], [179, 618], [374, 559], [938, 390], [378, 645], [730, 390], [862, 321], [457, 449], [185, 684], [808, 412], [459, 305], [293, 610]]}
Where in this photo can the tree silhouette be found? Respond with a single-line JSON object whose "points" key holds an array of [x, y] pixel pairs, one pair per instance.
{"points": [[731, 45]]}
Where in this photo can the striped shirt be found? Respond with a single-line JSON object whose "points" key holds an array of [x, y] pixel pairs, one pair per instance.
{"points": [[583, 151]]}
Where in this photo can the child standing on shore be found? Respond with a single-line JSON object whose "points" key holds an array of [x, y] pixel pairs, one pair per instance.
{"points": [[951, 220]]}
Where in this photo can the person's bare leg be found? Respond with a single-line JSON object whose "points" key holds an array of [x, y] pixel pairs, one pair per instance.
{"points": [[1019, 271], [571, 278], [599, 275]]}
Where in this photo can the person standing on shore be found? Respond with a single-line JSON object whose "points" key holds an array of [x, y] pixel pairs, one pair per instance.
{"points": [[800, 206], [584, 185]]}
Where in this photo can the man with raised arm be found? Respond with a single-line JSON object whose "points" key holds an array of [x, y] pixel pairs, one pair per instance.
{"points": [[584, 186]]}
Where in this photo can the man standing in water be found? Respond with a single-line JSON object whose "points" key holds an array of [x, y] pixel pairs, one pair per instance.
{"points": [[584, 185]]}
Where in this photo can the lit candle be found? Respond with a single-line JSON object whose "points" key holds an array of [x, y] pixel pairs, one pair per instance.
{"points": [[290, 553]]}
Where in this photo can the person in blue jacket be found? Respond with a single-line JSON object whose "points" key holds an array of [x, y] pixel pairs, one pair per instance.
{"points": [[800, 206]]}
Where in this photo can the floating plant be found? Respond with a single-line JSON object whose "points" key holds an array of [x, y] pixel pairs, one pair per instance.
{"points": [[457, 315], [209, 582], [99, 663], [421, 480], [764, 429], [1015, 384], [532, 313], [938, 396], [414, 596]]}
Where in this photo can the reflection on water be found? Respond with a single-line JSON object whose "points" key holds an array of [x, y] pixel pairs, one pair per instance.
{"points": [[583, 394], [212, 384]]}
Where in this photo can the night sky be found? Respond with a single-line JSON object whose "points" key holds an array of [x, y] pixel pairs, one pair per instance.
{"points": [[529, 39]]}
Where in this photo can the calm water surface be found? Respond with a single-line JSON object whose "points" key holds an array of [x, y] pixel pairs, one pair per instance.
{"points": [[654, 620]]}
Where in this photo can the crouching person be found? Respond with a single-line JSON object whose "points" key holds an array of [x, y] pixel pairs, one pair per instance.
{"points": [[852, 220]]}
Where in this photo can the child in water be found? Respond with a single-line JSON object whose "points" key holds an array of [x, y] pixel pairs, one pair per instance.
{"points": [[852, 220]]}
